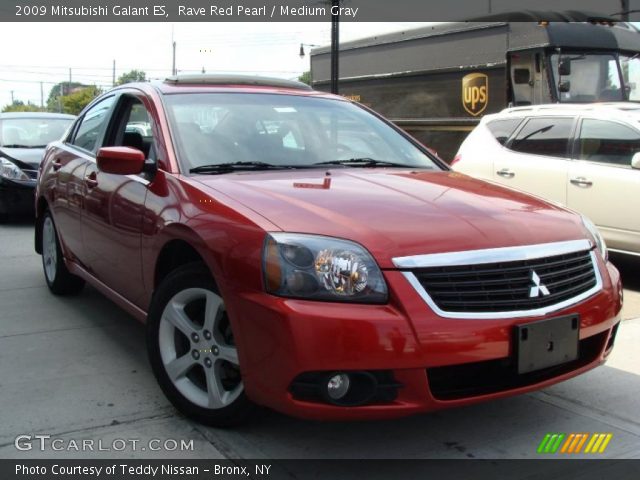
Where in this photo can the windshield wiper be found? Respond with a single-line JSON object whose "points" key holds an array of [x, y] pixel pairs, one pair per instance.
{"points": [[235, 166], [367, 162]]}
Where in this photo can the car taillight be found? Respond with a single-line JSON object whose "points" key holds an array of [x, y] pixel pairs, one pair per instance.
{"points": [[455, 160]]}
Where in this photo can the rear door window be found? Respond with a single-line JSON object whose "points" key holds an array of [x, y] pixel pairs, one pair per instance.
{"points": [[503, 129], [544, 136], [607, 142]]}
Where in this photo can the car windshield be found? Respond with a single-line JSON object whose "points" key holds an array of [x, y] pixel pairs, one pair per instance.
{"points": [[284, 130], [32, 132], [588, 77]]}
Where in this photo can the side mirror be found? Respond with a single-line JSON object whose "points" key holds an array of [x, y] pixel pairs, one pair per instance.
{"points": [[635, 161], [565, 67], [564, 87], [120, 160]]}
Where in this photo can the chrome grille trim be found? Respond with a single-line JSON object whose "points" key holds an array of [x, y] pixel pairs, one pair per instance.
{"points": [[495, 255], [491, 255]]}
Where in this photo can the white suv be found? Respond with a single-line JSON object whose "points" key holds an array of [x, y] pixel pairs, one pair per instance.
{"points": [[582, 156]]}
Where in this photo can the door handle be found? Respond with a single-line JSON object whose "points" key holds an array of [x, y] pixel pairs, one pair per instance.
{"points": [[506, 173], [91, 180], [56, 165], [581, 182]]}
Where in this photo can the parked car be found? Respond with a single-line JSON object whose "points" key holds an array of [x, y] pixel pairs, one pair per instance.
{"points": [[584, 157], [143, 128], [23, 138], [292, 249]]}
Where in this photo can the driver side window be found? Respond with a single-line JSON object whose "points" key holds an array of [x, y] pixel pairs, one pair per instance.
{"points": [[132, 128], [88, 132]]}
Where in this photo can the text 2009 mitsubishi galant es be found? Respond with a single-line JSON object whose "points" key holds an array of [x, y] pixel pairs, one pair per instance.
{"points": [[291, 249]]}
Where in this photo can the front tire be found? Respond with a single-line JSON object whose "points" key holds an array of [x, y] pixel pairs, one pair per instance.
{"points": [[192, 350], [59, 280]]}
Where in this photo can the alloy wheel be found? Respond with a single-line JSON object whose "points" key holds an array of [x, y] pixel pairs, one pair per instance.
{"points": [[198, 350], [49, 249]]}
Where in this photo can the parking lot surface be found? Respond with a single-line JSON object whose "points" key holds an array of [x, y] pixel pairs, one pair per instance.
{"points": [[75, 368]]}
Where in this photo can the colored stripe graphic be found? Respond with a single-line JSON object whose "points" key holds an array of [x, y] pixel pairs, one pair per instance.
{"points": [[581, 443], [598, 443], [573, 443], [551, 442]]}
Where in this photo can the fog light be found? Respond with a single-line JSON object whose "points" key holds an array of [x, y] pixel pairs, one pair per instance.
{"points": [[338, 386]]}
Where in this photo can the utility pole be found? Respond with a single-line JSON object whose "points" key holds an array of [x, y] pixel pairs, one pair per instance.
{"points": [[60, 97], [41, 96], [12, 100], [113, 81], [69, 78], [625, 10], [335, 41]]}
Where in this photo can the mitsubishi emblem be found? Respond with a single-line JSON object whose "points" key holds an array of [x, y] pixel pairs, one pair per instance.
{"points": [[538, 287]]}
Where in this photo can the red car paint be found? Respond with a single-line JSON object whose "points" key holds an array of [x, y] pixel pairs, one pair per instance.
{"points": [[113, 234]]}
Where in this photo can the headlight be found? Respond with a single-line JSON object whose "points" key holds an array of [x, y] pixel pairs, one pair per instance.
{"points": [[10, 171], [597, 238], [321, 268]]}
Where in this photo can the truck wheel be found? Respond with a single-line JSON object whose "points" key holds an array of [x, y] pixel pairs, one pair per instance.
{"points": [[59, 280], [192, 350]]}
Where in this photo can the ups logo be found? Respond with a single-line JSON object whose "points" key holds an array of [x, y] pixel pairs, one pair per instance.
{"points": [[475, 93]]}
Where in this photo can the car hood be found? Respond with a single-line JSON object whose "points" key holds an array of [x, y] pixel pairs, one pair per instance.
{"points": [[31, 157], [395, 212]]}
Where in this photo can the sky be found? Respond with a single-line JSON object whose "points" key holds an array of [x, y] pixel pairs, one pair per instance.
{"points": [[36, 54]]}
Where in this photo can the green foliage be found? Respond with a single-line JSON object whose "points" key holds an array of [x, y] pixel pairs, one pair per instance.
{"points": [[19, 106], [53, 104], [76, 101], [305, 77], [132, 76]]}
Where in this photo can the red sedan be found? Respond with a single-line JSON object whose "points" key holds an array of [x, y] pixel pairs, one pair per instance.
{"points": [[292, 249]]}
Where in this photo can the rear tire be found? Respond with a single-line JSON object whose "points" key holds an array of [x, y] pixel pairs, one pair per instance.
{"points": [[59, 280], [192, 350]]}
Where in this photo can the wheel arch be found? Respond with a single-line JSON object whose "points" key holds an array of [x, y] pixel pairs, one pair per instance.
{"points": [[174, 254]]}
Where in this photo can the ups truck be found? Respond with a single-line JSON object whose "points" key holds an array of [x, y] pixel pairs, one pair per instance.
{"points": [[437, 81]]}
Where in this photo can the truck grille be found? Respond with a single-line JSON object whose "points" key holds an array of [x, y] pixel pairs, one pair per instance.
{"points": [[504, 282]]}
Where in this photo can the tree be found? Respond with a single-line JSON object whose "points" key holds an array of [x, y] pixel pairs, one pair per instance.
{"points": [[132, 76], [305, 77], [64, 88], [77, 100], [19, 106]]}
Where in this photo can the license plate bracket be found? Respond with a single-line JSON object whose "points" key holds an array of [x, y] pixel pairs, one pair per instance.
{"points": [[547, 343]]}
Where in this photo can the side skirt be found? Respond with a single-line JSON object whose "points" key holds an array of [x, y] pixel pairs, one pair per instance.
{"points": [[115, 297]]}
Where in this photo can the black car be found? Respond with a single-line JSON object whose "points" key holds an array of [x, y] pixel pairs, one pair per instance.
{"points": [[23, 138]]}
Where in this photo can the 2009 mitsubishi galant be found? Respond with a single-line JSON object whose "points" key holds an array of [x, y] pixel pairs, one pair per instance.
{"points": [[292, 249]]}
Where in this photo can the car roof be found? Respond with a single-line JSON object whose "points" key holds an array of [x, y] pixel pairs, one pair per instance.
{"points": [[8, 115], [618, 109], [211, 83]]}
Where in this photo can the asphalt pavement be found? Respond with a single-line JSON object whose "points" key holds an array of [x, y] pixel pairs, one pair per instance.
{"points": [[75, 368]]}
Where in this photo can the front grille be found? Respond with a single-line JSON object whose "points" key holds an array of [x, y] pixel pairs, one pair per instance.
{"points": [[507, 286], [33, 174]]}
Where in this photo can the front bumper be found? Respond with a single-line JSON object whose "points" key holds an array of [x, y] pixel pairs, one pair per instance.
{"points": [[17, 197], [280, 339]]}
